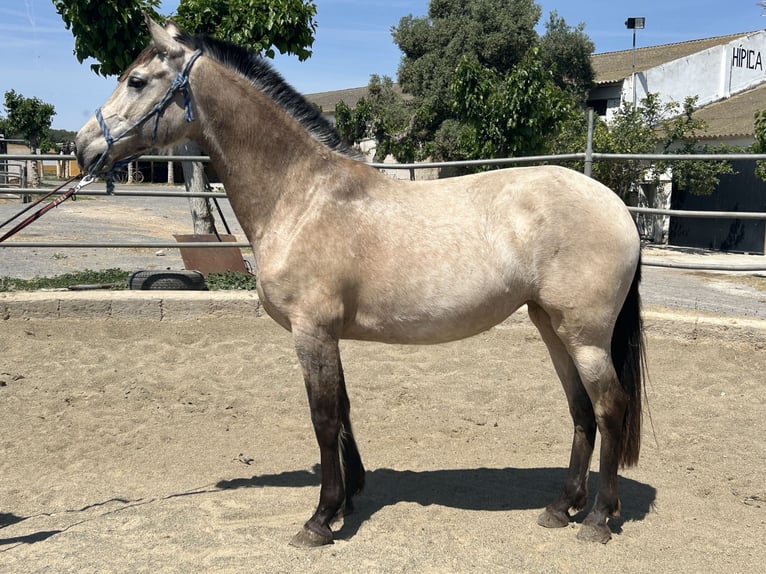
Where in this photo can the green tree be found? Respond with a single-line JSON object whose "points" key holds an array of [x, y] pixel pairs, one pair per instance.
{"points": [[649, 128], [681, 133], [111, 31], [261, 25], [29, 118], [496, 33], [508, 114], [566, 51], [759, 146], [352, 123], [384, 115], [481, 82], [633, 130]]}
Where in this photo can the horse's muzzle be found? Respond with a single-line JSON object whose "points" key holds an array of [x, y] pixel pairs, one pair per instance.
{"points": [[89, 154]]}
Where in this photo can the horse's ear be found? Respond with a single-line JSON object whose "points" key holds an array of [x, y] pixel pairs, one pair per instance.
{"points": [[172, 29], [164, 38]]}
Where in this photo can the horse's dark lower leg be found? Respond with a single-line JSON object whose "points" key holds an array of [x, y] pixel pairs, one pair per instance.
{"points": [[607, 504], [350, 458], [575, 492], [320, 359]]}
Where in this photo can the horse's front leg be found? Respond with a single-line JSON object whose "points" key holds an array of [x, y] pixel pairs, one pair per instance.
{"points": [[320, 359]]}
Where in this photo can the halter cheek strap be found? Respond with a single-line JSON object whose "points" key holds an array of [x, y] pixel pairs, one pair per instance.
{"points": [[180, 83]]}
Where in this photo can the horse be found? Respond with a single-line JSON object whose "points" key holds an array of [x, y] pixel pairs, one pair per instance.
{"points": [[344, 252]]}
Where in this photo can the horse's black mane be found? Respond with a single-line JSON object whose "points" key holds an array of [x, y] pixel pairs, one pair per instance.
{"points": [[256, 69]]}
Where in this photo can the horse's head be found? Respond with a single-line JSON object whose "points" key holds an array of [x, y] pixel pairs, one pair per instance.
{"points": [[151, 107]]}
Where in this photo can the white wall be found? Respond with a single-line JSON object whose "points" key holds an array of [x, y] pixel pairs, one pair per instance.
{"points": [[712, 74]]}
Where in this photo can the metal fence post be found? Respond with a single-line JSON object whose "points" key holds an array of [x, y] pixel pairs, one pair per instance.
{"points": [[588, 169], [25, 198]]}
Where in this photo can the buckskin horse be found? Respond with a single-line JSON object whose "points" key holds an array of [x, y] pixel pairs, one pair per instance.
{"points": [[344, 252]]}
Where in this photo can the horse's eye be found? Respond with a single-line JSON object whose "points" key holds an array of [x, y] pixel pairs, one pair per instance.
{"points": [[136, 82]]}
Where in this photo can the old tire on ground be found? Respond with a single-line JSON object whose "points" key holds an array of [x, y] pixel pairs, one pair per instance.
{"points": [[167, 280]]}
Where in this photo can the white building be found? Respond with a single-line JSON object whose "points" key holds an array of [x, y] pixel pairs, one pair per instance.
{"points": [[727, 74]]}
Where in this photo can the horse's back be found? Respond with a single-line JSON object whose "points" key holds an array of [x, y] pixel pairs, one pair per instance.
{"points": [[545, 218]]}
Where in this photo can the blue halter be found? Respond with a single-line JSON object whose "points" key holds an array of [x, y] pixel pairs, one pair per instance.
{"points": [[180, 83]]}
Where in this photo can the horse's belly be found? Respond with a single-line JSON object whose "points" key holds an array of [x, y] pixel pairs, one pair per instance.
{"points": [[429, 322]]}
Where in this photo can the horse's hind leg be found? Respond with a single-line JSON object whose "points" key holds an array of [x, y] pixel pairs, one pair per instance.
{"points": [[351, 461], [575, 492], [610, 403], [320, 359]]}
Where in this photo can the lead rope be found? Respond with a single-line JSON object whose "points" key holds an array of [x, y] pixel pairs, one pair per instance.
{"points": [[71, 192]]}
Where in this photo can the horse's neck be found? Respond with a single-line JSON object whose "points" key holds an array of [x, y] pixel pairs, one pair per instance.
{"points": [[260, 153]]}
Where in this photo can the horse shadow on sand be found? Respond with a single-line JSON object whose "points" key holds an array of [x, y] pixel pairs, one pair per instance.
{"points": [[485, 489], [8, 519]]}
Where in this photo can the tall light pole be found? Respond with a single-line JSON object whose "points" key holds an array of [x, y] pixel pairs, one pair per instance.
{"points": [[635, 24]]}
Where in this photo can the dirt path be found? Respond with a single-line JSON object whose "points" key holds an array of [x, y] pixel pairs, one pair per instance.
{"points": [[186, 447]]}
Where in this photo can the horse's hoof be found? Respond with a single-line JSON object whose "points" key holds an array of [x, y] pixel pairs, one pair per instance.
{"points": [[551, 519], [307, 538], [594, 533]]}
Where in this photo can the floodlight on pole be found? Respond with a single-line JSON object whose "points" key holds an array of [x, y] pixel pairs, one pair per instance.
{"points": [[636, 24]]}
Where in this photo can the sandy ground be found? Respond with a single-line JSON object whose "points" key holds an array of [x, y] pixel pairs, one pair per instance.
{"points": [[186, 446]]}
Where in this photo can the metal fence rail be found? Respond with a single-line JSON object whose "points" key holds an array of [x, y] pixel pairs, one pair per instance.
{"points": [[125, 244], [123, 193], [587, 157]]}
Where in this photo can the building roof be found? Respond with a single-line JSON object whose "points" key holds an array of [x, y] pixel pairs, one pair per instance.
{"points": [[733, 117], [326, 101], [612, 67]]}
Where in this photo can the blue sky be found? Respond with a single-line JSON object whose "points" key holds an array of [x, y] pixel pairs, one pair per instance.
{"points": [[353, 40]]}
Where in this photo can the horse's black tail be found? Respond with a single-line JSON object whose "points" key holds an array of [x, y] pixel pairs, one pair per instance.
{"points": [[629, 358]]}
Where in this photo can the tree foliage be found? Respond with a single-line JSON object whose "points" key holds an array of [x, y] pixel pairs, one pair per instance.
{"points": [[481, 81], [566, 51], [681, 133], [384, 115], [759, 146], [496, 33], [633, 130], [508, 114], [261, 25], [113, 31], [29, 118], [649, 128]]}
